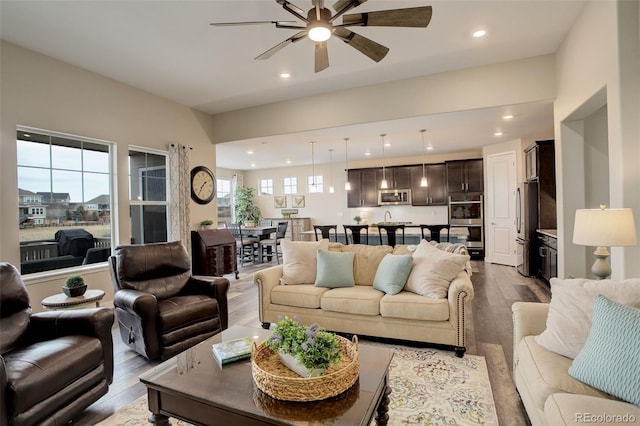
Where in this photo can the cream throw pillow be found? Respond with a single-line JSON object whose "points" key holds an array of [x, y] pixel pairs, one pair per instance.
{"points": [[433, 270], [299, 264], [571, 310]]}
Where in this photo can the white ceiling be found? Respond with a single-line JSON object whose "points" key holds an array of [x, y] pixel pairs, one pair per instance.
{"points": [[168, 48]]}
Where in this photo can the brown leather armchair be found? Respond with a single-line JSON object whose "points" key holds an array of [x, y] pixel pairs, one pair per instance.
{"points": [[161, 308], [53, 365]]}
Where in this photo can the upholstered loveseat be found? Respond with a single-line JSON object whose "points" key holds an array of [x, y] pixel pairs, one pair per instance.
{"points": [[553, 342], [361, 308]]}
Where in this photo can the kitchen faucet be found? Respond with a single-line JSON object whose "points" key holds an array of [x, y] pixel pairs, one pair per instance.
{"points": [[385, 215]]}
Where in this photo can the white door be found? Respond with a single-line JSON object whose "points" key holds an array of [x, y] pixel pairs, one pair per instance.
{"points": [[499, 208]]}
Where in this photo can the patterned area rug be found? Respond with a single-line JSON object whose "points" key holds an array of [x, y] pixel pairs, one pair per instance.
{"points": [[429, 387]]}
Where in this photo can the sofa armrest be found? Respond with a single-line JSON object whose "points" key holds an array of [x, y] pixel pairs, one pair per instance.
{"points": [[4, 416], [529, 319], [217, 288], [266, 280], [95, 322], [460, 293]]}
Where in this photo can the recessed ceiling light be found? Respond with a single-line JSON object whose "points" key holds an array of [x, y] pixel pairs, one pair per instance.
{"points": [[498, 134], [285, 75], [507, 116], [367, 153], [250, 151], [288, 161], [429, 148], [479, 33], [253, 164]]}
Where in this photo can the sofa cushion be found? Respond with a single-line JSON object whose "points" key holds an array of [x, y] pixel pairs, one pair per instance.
{"points": [[366, 261], [335, 269], [359, 300], [609, 359], [571, 310], [546, 373], [299, 264], [392, 273], [433, 270], [569, 409], [411, 306], [301, 296]]}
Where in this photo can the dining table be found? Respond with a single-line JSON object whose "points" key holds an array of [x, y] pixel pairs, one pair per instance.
{"points": [[259, 233]]}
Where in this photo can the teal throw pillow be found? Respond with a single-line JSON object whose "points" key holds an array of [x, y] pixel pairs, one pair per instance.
{"points": [[392, 273], [609, 359], [335, 269]]}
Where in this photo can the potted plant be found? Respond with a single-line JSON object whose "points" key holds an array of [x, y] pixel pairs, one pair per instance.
{"points": [[205, 224], [309, 351], [358, 219], [74, 286], [246, 208]]}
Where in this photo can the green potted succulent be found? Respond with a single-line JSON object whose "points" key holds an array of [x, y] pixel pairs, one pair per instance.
{"points": [[205, 224], [309, 351], [74, 286], [358, 219]]}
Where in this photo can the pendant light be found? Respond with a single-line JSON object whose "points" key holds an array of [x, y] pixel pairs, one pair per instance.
{"points": [[383, 184], [347, 185], [423, 181], [313, 168], [331, 190]]}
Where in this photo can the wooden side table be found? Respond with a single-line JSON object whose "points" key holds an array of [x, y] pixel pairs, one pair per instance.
{"points": [[62, 301]]}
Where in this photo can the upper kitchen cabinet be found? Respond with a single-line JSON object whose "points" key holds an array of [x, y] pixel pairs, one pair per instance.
{"points": [[540, 166], [435, 193], [465, 176], [397, 177], [364, 188]]}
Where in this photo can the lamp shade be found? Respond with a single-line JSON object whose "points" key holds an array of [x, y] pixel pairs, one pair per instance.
{"points": [[604, 228]]}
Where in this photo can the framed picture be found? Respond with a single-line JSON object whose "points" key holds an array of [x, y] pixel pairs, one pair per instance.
{"points": [[279, 201], [297, 201]]}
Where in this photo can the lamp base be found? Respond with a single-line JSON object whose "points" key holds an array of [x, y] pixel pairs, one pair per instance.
{"points": [[601, 267]]}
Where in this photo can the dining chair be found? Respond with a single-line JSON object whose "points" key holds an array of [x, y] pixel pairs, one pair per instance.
{"points": [[325, 231], [246, 248], [270, 245], [434, 231], [356, 231], [391, 231]]}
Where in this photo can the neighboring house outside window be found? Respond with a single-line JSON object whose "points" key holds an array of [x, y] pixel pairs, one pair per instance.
{"points": [[290, 185], [315, 184], [58, 175], [266, 186]]}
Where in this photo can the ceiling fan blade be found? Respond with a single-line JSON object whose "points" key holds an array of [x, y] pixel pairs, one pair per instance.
{"points": [[322, 56], [373, 50], [278, 47], [410, 17], [228, 24], [340, 4], [294, 10]]}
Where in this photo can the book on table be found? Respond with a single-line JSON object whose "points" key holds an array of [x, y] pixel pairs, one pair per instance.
{"points": [[232, 350]]}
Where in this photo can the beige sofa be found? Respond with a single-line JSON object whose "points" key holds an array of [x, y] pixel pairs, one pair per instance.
{"points": [[365, 311], [549, 394]]}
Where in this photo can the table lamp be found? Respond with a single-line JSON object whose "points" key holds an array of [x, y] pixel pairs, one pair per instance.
{"points": [[604, 228]]}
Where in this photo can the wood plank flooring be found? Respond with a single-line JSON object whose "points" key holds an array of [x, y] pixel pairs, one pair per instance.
{"points": [[489, 329]]}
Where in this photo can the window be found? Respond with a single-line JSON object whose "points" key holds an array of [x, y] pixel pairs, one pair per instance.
{"points": [[266, 186], [148, 204], [64, 200], [290, 185], [224, 200], [315, 184]]}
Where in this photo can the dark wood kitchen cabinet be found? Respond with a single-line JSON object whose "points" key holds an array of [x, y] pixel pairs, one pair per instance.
{"points": [[540, 167], [465, 176], [397, 177], [436, 192], [547, 256], [364, 188]]}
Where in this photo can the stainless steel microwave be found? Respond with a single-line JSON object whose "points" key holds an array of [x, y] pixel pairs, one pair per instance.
{"points": [[394, 196]]}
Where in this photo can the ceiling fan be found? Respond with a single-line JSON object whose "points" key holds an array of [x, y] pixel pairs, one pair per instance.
{"points": [[319, 27]]}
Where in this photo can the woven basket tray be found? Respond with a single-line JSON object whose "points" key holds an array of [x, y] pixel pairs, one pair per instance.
{"points": [[277, 381]]}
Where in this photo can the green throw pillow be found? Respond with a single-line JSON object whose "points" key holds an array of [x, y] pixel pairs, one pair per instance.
{"points": [[392, 273], [335, 269], [609, 358]]}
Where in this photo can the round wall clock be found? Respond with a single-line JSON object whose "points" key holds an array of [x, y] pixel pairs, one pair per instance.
{"points": [[203, 185]]}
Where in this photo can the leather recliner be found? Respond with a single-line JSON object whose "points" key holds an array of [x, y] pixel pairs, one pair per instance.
{"points": [[160, 307], [53, 365]]}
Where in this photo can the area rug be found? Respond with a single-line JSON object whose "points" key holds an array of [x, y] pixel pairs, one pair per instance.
{"points": [[429, 387]]}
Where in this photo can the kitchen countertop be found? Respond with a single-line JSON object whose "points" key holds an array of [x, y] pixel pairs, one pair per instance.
{"points": [[548, 232]]}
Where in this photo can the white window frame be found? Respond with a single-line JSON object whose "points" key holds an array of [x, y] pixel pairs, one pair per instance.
{"points": [[290, 185], [266, 186], [319, 184]]}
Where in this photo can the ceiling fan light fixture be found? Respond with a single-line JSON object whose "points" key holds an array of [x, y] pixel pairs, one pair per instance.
{"points": [[320, 32]]}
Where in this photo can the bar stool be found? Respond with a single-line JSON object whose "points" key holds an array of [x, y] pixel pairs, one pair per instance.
{"points": [[434, 231], [325, 231], [391, 233], [355, 233]]}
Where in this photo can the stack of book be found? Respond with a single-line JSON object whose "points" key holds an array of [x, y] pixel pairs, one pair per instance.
{"points": [[232, 350]]}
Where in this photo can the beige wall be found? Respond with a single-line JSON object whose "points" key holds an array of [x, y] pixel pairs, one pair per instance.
{"points": [[40, 92], [594, 70]]}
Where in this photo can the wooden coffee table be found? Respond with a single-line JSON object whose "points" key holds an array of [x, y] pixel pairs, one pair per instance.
{"points": [[193, 387]]}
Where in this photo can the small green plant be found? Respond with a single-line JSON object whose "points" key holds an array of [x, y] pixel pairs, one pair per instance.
{"points": [[246, 206], [312, 346], [74, 281], [358, 219], [206, 222]]}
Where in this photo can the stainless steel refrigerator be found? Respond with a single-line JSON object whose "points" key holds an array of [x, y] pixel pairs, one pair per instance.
{"points": [[526, 224]]}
